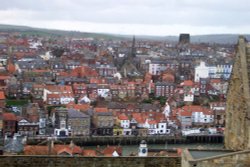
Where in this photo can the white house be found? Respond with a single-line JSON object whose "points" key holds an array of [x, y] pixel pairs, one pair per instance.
{"points": [[56, 89], [217, 71], [189, 90], [156, 127], [201, 71], [124, 121], [205, 116], [217, 105], [151, 125], [66, 98], [189, 97], [103, 90], [162, 128], [84, 99], [157, 66], [224, 70]]}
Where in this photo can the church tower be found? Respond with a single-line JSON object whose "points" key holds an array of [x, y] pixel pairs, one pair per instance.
{"points": [[129, 66], [237, 131], [133, 49]]}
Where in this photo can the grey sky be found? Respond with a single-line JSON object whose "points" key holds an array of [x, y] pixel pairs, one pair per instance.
{"points": [[148, 17]]}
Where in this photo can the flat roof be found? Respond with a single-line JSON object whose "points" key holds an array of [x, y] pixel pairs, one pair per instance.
{"points": [[198, 154]]}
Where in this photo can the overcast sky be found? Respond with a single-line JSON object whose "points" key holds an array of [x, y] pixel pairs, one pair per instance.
{"points": [[139, 17]]}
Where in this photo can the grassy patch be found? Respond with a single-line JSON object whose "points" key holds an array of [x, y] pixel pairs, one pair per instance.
{"points": [[16, 102]]}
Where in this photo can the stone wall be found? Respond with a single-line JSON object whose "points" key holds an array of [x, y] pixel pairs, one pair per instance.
{"points": [[235, 159], [237, 131], [60, 161]]}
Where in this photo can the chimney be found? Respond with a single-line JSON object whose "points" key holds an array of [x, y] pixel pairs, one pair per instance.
{"points": [[50, 145], [71, 145]]}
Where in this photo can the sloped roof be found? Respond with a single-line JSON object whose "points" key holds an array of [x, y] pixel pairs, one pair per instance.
{"points": [[2, 96], [109, 150], [189, 109], [89, 153], [57, 149], [122, 117], [101, 109], [76, 114], [9, 117], [188, 83], [82, 107]]}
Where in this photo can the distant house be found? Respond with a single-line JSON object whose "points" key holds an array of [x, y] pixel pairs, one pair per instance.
{"points": [[29, 64], [220, 85], [78, 123], [37, 91], [53, 149], [58, 94], [4, 82], [60, 122], [70, 122], [188, 88], [103, 90], [164, 89], [103, 122], [79, 90], [123, 121], [112, 151], [27, 128], [106, 70], [156, 67], [194, 115], [9, 124], [201, 71]]}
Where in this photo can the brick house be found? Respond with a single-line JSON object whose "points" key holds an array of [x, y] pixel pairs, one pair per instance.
{"points": [[78, 122], [164, 89], [103, 122], [9, 124]]}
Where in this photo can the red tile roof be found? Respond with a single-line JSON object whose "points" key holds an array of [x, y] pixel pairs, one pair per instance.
{"points": [[2, 96], [89, 153], [84, 71], [58, 149], [4, 77], [11, 68], [123, 117], [9, 117], [151, 122], [101, 109], [215, 81], [188, 83], [109, 150], [59, 88], [82, 107], [37, 150], [138, 117], [189, 109]]}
